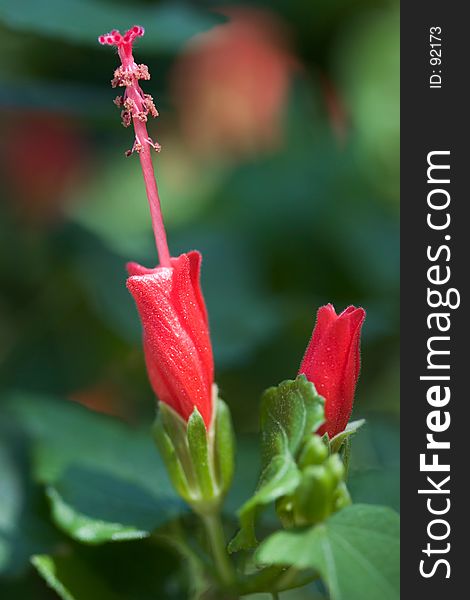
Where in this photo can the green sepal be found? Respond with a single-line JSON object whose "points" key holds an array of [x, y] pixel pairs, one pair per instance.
{"points": [[170, 458], [345, 454], [176, 429], [200, 461], [338, 440], [224, 447], [198, 444]]}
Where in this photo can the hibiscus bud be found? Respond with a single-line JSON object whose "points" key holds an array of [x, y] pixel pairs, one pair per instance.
{"points": [[332, 363], [193, 428], [177, 345]]}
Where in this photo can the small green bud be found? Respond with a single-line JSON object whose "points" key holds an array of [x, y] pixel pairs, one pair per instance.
{"points": [[314, 452], [322, 490], [314, 496]]}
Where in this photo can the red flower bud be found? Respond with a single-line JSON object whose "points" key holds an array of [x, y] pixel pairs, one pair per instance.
{"points": [[177, 345], [332, 363]]}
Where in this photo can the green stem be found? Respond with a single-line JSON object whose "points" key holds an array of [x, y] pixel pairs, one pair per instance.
{"points": [[286, 579], [261, 581], [292, 578], [215, 533]]}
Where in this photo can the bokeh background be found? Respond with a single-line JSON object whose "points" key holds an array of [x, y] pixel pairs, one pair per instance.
{"points": [[279, 127]]}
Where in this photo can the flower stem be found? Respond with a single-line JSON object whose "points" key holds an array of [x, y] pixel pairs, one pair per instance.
{"points": [[216, 536]]}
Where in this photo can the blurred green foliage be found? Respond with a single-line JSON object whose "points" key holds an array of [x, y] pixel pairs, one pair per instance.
{"points": [[283, 228]]}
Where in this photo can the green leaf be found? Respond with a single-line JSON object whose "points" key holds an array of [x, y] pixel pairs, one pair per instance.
{"points": [[351, 428], [106, 483], [139, 570], [356, 552], [71, 579], [90, 529], [25, 528], [280, 477], [167, 26], [290, 413]]}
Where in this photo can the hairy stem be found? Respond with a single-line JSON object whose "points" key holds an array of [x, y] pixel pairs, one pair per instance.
{"points": [[216, 536]]}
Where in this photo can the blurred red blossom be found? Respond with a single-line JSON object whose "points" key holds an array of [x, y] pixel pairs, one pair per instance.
{"points": [[230, 85], [102, 397], [43, 155]]}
